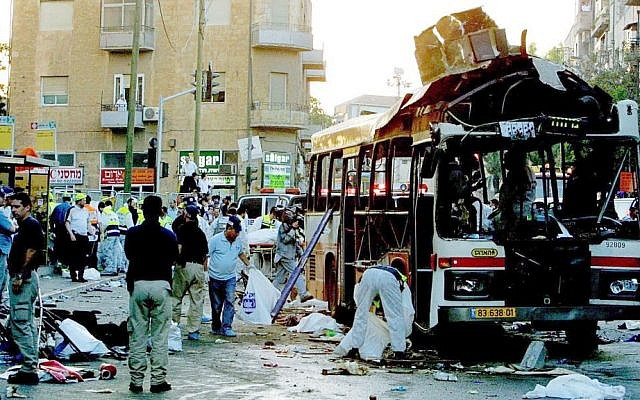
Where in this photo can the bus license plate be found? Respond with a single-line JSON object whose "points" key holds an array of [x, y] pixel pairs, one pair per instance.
{"points": [[493, 312]]}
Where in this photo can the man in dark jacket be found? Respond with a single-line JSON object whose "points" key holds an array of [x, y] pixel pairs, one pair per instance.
{"points": [[151, 250], [189, 272]]}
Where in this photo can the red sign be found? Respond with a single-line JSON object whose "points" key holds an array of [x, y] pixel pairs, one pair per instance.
{"points": [[626, 181], [115, 176]]}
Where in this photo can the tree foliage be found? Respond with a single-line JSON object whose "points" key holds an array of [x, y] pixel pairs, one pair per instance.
{"points": [[317, 115]]}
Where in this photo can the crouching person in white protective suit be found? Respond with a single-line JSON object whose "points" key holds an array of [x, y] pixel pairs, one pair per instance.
{"points": [[388, 283]]}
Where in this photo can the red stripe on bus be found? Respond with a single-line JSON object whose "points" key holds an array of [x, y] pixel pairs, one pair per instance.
{"points": [[476, 262], [616, 262]]}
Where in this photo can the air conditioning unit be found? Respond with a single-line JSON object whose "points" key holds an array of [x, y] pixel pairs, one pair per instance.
{"points": [[150, 113], [228, 169]]}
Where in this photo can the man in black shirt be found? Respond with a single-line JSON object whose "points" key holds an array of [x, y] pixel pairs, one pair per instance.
{"points": [[24, 258], [190, 271], [151, 250]]}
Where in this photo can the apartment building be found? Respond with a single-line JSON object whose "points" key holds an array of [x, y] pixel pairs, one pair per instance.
{"points": [[604, 35], [70, 63]]}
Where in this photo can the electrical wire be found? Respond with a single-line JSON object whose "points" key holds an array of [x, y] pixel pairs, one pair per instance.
{"points": [[164, 27]]}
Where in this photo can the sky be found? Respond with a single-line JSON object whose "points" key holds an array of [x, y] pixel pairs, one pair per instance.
{"points": [[364, 40]]}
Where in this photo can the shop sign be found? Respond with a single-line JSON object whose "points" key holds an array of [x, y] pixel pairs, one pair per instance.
{"points": [[115, 176], [222, 180], [276, 176], [66, 176], [208, 160], [275, 157]]}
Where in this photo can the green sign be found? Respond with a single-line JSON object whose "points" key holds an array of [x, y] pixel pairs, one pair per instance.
{"points": [[276, 176], [208, 162]]}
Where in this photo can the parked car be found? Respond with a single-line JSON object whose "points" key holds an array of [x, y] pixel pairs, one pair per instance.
{"points": [[260, 204]]}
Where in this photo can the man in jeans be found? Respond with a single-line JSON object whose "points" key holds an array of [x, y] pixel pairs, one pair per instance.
{"points": [[189, 272], [151, 250], [224, 251], [24, 258]]}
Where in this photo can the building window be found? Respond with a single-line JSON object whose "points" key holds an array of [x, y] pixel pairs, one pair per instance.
{"points": [[278, 88], [119, 15], [56, 15], [218, 12], [122, 84], [55, 90], [116, 160], [64, 159], [218, 92]]}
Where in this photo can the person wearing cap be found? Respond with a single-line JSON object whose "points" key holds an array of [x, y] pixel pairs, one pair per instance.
{"points": [[189, 272], [111, 251], [59, 229], [24, 258], [151, 250], [287, 248], [78, 225], [224, 251]]}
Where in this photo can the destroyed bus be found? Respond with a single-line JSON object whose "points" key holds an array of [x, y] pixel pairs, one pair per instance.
{"points": [[443, 187]]}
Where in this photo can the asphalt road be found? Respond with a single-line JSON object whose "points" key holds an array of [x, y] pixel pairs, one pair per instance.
{"points": [[244, 368]]}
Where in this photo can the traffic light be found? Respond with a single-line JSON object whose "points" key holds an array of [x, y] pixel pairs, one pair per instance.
{"points": [[164, 167], [252, 174], [3, 106], [151, 157], [209, 84]]}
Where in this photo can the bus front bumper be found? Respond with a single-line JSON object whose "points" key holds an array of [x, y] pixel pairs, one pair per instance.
{"points": [[507, 314]]}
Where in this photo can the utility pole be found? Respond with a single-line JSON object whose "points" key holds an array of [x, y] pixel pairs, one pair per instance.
{"points": [[249, 175], [196, 130], [133, 104]]}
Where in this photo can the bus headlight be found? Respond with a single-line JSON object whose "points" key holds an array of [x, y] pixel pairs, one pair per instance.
{"points": [[624, 285]]}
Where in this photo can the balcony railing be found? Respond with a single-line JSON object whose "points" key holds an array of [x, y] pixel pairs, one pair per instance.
{"points": [[120, 38], [601, 23], [291, 36], [115, 116], [280, 115]]}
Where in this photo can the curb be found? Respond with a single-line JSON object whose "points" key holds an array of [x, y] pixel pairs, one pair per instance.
{"points": [[81, 287]]}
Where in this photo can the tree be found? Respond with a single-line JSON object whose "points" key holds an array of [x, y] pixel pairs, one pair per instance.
{"points": [[4, 54], [555, 55], [532, 49], [618, 82], [317, 115]]}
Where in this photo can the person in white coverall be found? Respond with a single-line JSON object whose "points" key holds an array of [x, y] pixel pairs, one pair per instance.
{"points": [[388, 283]]}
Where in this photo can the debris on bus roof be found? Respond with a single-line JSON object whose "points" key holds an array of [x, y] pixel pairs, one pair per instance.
{"points": [[459, 42]]}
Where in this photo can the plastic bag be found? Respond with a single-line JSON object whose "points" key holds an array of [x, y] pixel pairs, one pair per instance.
{"points": [[259, 299], [81, 337], [175, 338], [91, 274], [576, 386]]}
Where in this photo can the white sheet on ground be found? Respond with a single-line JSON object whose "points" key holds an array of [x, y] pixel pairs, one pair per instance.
{"points": [[315, 322], [81, 337], [576, 386]]}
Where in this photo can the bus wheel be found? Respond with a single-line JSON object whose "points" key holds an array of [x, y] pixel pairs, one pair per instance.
{"points": [[582, 338]]}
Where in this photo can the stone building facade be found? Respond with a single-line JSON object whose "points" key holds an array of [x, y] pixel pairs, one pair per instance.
{"points": [[70, 63]]}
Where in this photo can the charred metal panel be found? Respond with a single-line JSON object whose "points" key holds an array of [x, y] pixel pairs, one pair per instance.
{"points": [[547, 273]]}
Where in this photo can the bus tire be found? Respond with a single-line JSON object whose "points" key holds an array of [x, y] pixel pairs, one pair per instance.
{"points": [[582, 338]]}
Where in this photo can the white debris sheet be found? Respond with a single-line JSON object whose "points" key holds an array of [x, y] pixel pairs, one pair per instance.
{"points": [[576, 386]]}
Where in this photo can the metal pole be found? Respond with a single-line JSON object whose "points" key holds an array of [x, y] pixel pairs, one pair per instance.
{"points": [[159, 145], [133, 86], [196, 131], [159, 133], [249, 100]]}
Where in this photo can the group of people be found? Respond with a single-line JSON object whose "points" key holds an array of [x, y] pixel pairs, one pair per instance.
{"points": [[167, 254]]}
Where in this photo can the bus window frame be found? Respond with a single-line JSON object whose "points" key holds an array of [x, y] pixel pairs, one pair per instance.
{"points": [[311, 191], [359, 191], [373, 204]]}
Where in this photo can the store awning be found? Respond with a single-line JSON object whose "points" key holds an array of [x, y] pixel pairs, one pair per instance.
{"points": [[27, 161]]}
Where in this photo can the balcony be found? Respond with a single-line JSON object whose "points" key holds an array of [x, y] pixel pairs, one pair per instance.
{"points": [[313, 59], [601, 23], [288, 36], [120, 38], [112, 117], [278, 115], [315, 75], [631, 50]]}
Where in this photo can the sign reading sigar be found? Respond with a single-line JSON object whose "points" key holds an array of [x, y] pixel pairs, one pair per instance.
{"points": [[484, 252]]}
